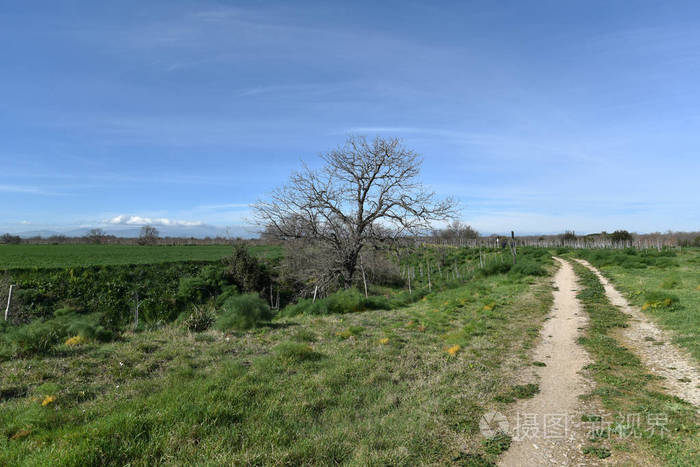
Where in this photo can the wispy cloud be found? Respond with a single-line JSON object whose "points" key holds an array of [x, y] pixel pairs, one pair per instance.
{"points": [[28, 190], [139, 220]]}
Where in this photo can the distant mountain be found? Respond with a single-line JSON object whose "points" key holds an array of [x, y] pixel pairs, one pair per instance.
{"points": [[197, 231]]}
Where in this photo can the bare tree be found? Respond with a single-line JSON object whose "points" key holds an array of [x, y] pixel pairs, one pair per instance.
{"points": [[148, 235], [366, 192], [457, 231], [95, 235]]}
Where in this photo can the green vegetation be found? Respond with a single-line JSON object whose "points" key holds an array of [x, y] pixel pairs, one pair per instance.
{"points": [[243, 312], [627, 391], [664, 284], [82, 255], [402, 387], [352, 301]]}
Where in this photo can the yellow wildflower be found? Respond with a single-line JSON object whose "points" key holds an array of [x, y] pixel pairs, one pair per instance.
{"points": [[48, 400], [454, 349], [75, 340], [646, 306], [384, 340]]}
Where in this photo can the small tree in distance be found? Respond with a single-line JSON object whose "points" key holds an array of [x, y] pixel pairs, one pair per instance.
{"points": [[366, 192], [621, 236], [456, 231], [148, 235], [95, 235]]}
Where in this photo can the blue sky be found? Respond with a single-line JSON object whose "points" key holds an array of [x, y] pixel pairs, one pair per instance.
{"points": [[538, 116]]}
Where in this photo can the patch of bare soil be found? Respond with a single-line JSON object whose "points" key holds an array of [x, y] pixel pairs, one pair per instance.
{"points": [[548, 429], [681, 374]]}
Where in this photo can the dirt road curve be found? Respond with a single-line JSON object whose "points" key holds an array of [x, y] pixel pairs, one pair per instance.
{"points": [[682, 376], [546, 429]]}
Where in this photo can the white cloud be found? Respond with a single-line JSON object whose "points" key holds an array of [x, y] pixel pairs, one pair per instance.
{"points": [[31, 190], [138, 220]]}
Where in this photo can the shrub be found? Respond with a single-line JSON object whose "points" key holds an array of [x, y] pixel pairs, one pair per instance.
{"points": [[246, 271], [243, 312], [208, 283], [226, 293], [200, 319], [40, 336]]}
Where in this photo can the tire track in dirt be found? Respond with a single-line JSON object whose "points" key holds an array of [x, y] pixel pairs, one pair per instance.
{"points": [[540, 436], [642, 336]]}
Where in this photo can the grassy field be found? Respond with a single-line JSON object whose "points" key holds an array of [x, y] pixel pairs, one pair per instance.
{"points": [[630, 394], [400, 387], [648, 281], [66, 256]]}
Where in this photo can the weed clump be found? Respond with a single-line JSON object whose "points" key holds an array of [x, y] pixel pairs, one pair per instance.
{"points": [[40, 337], [295, 352], [497, 444], [243, 312], [200, 319], [599, 452], [660, 301]]}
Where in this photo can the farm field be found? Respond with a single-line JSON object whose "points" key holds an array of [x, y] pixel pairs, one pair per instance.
{"points": [[77, 255]]}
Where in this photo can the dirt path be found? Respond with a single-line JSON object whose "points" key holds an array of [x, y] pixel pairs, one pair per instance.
{"points": [[547, 429], [643, 337]]}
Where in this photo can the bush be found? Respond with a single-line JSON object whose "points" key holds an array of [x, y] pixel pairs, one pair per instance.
{"points": [[243, 312], [200, 319], [198, 289], [246, 271], [40, 336]]}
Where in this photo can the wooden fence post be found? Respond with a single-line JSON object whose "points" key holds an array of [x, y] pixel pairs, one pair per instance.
{"points": [[9, 300]]}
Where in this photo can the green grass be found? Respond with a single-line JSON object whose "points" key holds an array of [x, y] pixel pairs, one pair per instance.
{"points": [[375, 387], [626, 388], [74, 255], [676, 278]]}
